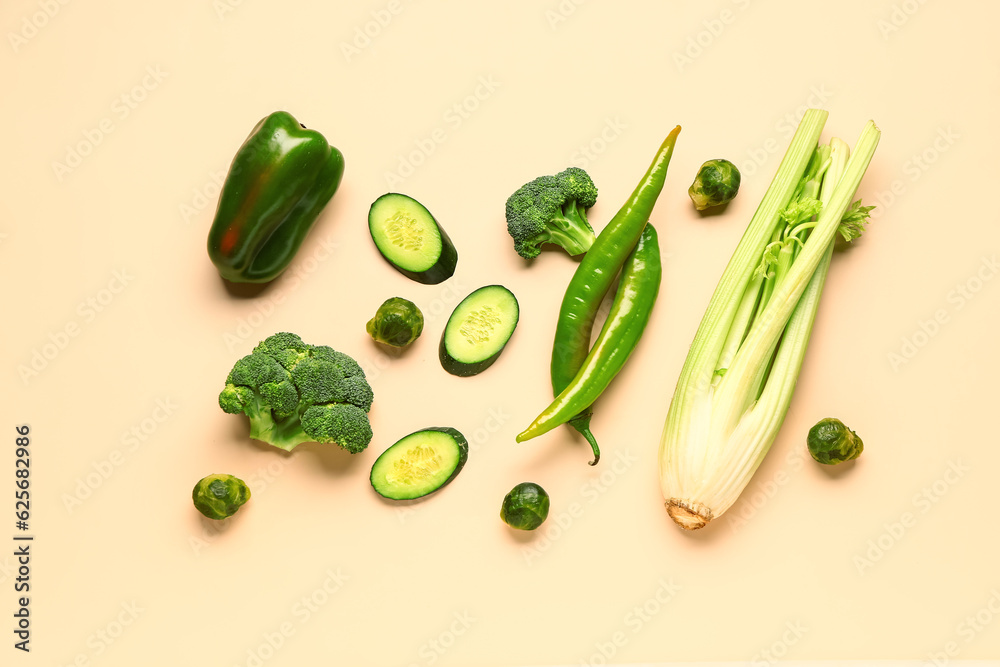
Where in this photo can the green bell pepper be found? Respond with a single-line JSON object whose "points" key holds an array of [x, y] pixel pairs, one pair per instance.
{"points": [[280, 180]]}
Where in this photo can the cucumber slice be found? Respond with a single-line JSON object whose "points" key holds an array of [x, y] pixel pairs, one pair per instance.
{"points": [[419, 464], [478, 330], [411, 239]]}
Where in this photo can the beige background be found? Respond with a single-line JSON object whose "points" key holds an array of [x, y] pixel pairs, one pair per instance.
{"points": [[111, 296]]}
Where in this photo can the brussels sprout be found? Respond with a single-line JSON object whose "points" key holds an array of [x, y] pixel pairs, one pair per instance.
{"points": [[398, 322], [831, 442], [525, 507], [716, 183], [219, 496]]}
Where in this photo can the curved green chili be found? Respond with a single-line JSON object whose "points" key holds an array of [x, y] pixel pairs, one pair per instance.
{"points": [[594, 277], [630, 311]]}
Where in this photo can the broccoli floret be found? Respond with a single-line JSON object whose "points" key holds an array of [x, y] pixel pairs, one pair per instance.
{"points": [[358, 392], [294, 392], [285, 348], [577, 184], [347, 365], [552, 209], [318, 381], [342, 423]]}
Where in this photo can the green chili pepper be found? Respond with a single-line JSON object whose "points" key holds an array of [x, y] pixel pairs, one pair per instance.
{"points": [[594, 277], [281, 178], [630, 311]]}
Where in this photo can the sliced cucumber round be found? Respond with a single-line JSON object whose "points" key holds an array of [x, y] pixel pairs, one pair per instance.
{"points": [[420, 463], [411, 239], [478, 330]]}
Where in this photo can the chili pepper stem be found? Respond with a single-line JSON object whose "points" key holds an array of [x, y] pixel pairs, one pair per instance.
{"points": [[582, 424]]}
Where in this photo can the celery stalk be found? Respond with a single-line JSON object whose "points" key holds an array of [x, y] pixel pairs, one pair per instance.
{"points": [[737, 381]]}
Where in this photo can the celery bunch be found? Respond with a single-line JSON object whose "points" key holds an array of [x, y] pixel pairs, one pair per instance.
{"points": [[737, 381]]}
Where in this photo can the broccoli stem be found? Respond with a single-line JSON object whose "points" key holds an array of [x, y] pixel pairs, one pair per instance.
{"points": [[571, 230], [284, 433], [574, 241], [572, 211]]}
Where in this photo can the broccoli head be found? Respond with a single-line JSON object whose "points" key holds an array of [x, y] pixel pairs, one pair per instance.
{"points": [[552, 209], [294, 392]]}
